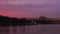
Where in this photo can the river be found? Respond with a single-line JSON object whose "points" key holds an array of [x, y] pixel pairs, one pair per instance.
{"points": [[33, 29]]}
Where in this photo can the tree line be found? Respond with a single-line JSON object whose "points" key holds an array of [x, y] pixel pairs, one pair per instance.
{"points": [[7, 21]]}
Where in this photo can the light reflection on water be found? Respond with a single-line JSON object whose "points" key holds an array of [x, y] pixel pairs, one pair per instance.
{"points": [[34, 29]]}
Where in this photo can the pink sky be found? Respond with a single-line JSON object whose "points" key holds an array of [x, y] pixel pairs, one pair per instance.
{"points": [[30, 8]]}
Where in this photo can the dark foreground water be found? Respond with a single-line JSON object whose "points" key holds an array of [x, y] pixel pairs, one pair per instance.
{"points": [[34, 29]]}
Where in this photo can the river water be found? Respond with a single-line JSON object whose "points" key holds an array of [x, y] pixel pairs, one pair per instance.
{"points": [[33, 29]]}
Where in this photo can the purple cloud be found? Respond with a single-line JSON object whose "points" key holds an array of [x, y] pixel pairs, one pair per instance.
{"points": [[33, 8]]}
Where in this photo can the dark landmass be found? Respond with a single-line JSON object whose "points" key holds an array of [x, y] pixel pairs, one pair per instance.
{"points": [[8, 21]]}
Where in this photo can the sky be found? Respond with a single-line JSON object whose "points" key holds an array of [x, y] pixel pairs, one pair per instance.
{"points": [[30, 8]]}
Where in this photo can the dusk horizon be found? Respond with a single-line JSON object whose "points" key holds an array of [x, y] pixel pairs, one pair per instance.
{"points": [[30, 8], [29, 16]]}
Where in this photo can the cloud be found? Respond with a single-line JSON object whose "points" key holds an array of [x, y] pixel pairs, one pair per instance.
{"points": [[24, 7], [31, 8], [18, 2]]}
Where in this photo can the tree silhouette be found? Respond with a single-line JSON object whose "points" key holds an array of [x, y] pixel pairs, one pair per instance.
{"points": [[22, 21], [8, 21], [4, 20], [44, 20], [14, 21]]}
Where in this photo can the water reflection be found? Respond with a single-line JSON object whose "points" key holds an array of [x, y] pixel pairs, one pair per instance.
{"points": [[34, 29], [8, 29], [4, 30], [12, 30]]}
